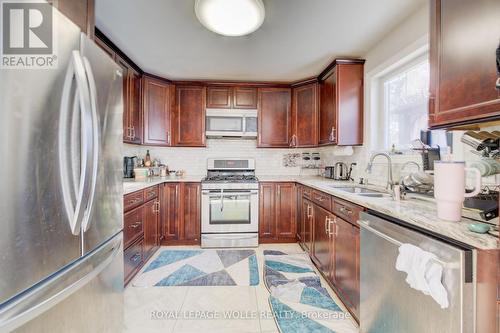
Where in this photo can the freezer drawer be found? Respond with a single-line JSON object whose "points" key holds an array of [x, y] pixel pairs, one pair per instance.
{"points": [[389, 304]]}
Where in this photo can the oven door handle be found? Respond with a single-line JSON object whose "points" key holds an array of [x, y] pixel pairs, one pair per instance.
{"points": [[223, 194]]}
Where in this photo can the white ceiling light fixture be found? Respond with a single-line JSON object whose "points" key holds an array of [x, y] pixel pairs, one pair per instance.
{"points": [[230, 17]]}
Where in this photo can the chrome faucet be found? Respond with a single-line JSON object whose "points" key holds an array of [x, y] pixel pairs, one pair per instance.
{"points": [[390, 181]]}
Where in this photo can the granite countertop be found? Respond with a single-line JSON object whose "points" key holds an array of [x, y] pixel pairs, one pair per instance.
{"points": [[420, 213], [132, 184]]}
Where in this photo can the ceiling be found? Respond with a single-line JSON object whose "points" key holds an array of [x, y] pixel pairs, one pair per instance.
{"points": [[297, 40]]}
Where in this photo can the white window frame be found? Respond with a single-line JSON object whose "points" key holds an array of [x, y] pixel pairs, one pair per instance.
{"points": [[383, 139]]}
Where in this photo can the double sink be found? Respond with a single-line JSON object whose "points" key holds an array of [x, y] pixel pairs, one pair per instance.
{"points": [[362, 191]]}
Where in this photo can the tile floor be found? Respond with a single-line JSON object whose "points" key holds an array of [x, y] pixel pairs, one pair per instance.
{"points": [[154, 309]]}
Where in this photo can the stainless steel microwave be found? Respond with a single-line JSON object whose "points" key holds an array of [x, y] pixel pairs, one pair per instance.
{"points": [[231, 123]]}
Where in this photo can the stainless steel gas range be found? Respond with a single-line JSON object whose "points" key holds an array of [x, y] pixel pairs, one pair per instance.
{"points": [[230, 204]]}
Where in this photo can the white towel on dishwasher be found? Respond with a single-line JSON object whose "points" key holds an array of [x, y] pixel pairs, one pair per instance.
{"points": [[423, 272]]}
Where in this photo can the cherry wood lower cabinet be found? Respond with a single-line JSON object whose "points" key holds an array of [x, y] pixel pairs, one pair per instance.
{"points": [[140, 229], [322, 246], [344, 273], [181, 213], [331, 235], [277, 212]]}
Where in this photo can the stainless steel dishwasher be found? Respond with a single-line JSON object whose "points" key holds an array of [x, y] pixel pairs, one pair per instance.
{"points": [[389, 304]]}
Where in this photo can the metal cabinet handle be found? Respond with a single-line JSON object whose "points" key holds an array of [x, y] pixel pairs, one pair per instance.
{"points": [[133, 133], [327, 225], [168, 138], [320, 199], [136, 225], [345, 210], [332, 135]]}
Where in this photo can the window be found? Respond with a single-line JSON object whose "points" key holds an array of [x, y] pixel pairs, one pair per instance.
{"points": [[405, 103]]}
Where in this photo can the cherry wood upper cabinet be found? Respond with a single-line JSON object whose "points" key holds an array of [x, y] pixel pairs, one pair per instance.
{"points": [[464, 37], [305, 116], [134, 105], [188, 118], [158, 97], [219, 97], [341, 103], [81, 12], [245, 98], [274, 118]]}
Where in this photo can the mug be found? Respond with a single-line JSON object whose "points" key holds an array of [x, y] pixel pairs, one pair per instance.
{"points": [[449, 188]]}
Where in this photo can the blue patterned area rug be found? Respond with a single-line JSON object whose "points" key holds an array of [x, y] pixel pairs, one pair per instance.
{"points": [[297, 299], [201, 268]]}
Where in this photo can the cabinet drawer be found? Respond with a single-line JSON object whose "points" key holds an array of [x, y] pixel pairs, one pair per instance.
{"points": [[322, 199], [133, 226], [347, 211], [150, 193], [133, 200], [133, 258], [306, 192]]}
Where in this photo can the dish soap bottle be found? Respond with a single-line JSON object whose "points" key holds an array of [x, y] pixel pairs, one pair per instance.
{"points": [[147, 160]]}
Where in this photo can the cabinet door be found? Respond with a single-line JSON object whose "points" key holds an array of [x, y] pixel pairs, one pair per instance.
{"points": [[267, 210], [157, 112], [274, 120], [192, 211], [170, 211], [105, 47], [464, 37], [349, 122], [245, 98], [286, 204], [81, 12], [299, 213], [219, 97], [134, 105], [305, 116], [322, 254], [133, 226], [328, 109], [127, 127], [150, 213], [189, 116], [307, 221], [345, 272]]}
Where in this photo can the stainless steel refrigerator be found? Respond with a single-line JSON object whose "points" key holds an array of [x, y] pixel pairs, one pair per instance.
{"points": [[61, 214]]}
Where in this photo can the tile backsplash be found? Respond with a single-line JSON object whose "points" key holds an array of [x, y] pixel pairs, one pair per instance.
{"points": [[269, 161]]}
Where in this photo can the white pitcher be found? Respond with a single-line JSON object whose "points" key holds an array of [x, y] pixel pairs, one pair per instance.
{"points": [[449, 188]]}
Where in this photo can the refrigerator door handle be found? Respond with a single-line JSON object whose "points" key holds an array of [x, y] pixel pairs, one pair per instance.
{"points": [[74, 189], [58, 287], [95, 142]]}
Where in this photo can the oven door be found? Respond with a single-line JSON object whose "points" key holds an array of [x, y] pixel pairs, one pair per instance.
{"points": [[230, 211]]}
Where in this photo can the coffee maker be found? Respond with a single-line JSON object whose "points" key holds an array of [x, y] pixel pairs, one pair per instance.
{"points": [[128, 166]]}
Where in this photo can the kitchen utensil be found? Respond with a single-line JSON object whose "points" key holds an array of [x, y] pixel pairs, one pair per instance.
{"points": [[341, 172], [141, 173], [449, 188], [128, 166], [487, 166], [330, 172]]}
